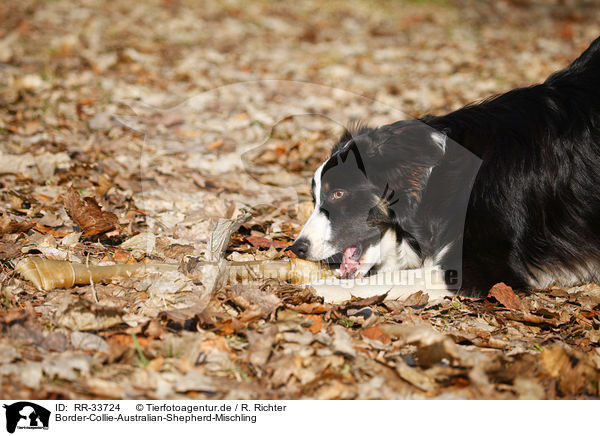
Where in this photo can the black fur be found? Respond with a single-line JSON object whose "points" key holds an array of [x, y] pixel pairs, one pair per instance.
{"points": [[535, 201]]}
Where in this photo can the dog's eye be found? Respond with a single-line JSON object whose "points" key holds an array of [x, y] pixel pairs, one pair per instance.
{"points": [[336, 195]]}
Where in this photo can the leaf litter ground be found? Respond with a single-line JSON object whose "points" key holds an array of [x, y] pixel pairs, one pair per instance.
{"points": [[129, 130]]}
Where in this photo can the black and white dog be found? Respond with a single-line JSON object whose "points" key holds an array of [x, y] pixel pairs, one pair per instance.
{"points": [[507, 190]]}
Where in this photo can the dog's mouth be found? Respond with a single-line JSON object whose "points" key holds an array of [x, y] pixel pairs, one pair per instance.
{"points": [[356, 260], [350, 261]]}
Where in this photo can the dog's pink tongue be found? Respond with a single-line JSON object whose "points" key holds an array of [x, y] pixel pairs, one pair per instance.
{"points": [[349, 266]]}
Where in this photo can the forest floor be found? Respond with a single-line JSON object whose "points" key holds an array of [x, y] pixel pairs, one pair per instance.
{"points": [[170, 115]]}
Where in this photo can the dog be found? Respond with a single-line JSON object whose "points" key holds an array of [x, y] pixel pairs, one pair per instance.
{"points": [[505, 190]]}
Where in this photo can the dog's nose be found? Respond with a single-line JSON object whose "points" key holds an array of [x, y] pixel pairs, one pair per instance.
{"points": [[300, 247]]}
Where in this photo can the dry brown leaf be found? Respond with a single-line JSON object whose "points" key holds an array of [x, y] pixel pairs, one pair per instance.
{"points": [[281, 367], [215, 343], [505, 296], [376, 334], [186, 318], [257, 241], [216, 144], [23, 325], [528, 317], [419, 298], [88, 215], [432, 346], [127, 340], [8, 225], [574, 370], [251, 297], [153, 329], [587, 296], [317, 324], [104, 185], [261, 345], [342, 342], [414, 376], [121, 256], [9, 250], [311, 308], [225, 327], [80, 314], [363, 302], [59, 233]]}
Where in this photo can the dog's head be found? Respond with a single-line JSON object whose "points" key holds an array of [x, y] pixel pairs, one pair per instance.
{"points": [[366, 192]]}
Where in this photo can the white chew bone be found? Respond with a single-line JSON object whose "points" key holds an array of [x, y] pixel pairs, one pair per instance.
{"points": [[397, 284]]}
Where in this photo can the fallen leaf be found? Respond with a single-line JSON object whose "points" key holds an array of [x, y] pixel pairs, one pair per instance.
{"points": [[8, 225], [196, 381], [186, 318], [105, 388], [89, 342], [259, 242], [528, 317], [127, 340], [415, 377], [574, 370], [528, 388], [254, 300], [157, 363], [311, 308], [216, 144], [9, 250], [342, 342], [261, 345], [281, 368], [55, 341], [317, 323], [121, 256], [432, 346], [376, 334], [225, 327], [18, 324], [80, 314], [215, 343], [154, 329], [59, 233], [363, 302], [505, 296], [8, 353], [67, 366], [587, 296], [419, 299], [88, 215]]}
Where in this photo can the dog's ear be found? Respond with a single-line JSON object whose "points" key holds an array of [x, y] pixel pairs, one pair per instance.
{"points": [[414, 143], [406, 155], [353, 130], [346, 136]]}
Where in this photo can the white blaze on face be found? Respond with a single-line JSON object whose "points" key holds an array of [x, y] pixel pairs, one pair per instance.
{"points": [[317, 229]]}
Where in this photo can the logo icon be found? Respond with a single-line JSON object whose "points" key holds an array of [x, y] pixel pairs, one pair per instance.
{"points": [[26, 415]]}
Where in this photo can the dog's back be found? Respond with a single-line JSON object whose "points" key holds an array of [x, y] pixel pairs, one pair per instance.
{"points": [[534, 212]]}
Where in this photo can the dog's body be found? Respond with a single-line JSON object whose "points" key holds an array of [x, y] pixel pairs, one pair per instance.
{"points": [[505, 190]]}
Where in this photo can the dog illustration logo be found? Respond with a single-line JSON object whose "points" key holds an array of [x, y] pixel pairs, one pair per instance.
{"points": [[26, 415]]}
